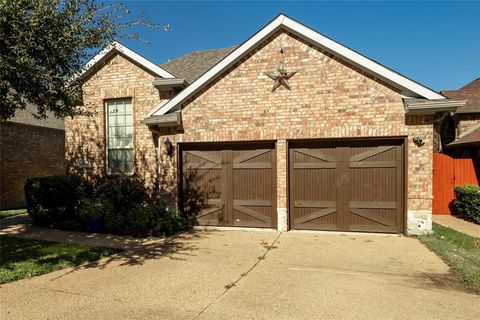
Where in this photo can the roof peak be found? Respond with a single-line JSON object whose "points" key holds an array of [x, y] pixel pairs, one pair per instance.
{"points": [[407, 86], [206, 50], [473, 83], [199, 51]]}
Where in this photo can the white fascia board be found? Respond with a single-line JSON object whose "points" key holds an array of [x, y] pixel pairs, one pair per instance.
{"points": [[118, 47], [408, 87], [161, 104]]}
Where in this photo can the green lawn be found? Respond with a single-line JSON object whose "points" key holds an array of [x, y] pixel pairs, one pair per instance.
{"points": [[460, 251], [11, 213], [20, 258]]}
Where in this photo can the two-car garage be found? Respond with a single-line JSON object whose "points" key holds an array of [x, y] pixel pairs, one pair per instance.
{"points": [[344, 185]]}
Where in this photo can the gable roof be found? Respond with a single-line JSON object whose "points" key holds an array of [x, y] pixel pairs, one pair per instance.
{"points": [[408, 87], [471, 137], [469, 92], [117, 47], [192, 65]]}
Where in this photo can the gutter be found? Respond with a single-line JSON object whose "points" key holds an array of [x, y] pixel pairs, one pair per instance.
{"points": [[165, 83], [425, 106], [173, 119]]}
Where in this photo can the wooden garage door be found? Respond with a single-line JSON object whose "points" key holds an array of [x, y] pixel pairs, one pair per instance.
{"points": [[236, 183], [347, 185]]}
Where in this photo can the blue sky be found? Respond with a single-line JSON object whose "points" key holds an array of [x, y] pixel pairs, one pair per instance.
{"points": [[434, 43]]}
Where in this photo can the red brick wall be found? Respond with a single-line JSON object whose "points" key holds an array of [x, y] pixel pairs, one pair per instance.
{"points": [[27, 151]]}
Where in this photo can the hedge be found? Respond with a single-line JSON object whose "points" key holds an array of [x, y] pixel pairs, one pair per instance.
{"points": [[467, 202], [51, 201], [119, 205]]}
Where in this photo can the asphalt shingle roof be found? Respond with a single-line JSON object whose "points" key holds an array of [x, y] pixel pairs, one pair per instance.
{"points": [[471, 93], [470, 138], [192, 65]]}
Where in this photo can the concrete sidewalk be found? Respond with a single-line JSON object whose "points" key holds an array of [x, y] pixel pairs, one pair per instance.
{"points": [[210, 274], [21, 226], [458, 224]]}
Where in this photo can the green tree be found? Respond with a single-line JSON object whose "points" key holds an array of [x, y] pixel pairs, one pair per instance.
{"points": [[45, 43]]}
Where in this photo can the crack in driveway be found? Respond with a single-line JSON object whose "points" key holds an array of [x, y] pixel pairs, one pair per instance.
{"points": [[242, 275]]}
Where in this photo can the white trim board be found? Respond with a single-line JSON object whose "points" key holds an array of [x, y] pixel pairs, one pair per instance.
{"points": [[115, 47], [408, 87]]}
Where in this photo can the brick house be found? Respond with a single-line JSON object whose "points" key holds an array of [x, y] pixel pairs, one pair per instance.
{"points": [[29, 148], [461, 130], [289, 130]]}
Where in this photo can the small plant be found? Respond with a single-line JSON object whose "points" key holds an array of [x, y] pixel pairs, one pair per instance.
{"points": [[467, 202]]}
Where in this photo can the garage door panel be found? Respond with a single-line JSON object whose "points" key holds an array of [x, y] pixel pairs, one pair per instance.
{"points": [[372, 216], [362, 180], [202, 179], [378, 184], [376, 153], [252, 215], [314, 185], [252, 184], [312, 181], [323, 215], [253, 187], [240, 180]]}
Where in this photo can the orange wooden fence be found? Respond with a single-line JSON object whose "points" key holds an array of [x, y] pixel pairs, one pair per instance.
{"points": [[448, 173]]}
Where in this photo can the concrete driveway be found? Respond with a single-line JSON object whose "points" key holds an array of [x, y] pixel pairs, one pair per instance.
{"points": [[210, 274]]}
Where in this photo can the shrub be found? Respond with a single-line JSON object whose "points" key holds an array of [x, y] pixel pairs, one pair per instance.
{"points": [[125, 204], [122, 191], [120, 205], [167, 222], [89, 214], [467, 202], [51, 201]]}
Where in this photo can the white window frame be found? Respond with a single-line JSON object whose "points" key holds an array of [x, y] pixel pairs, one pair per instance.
{"points": [[107, 167]]}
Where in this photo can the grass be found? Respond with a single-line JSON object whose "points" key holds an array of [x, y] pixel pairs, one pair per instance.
{"points": [[11, 213], [460, 251], [21, 258]]}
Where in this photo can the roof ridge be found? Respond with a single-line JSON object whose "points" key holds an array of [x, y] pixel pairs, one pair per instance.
{"points": [[199, 51], [469, 84], [214, 49]]}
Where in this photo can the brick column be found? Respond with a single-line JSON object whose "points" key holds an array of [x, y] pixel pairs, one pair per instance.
{"points": [[282, 211]]}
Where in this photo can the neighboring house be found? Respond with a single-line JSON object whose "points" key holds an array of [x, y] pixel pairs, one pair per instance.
{"points": [[289, 130], [461, 132], [29, 148]]}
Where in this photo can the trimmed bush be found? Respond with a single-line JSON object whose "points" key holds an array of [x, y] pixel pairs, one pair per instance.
{"points": [[126, 207], [467, 202], [51, 201], [121, 205]]}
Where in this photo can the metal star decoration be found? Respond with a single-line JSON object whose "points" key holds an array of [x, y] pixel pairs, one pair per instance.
{"points": [[280, 77]]}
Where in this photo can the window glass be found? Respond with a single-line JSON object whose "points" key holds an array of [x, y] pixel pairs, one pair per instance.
{"points": [[119, 136]]}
